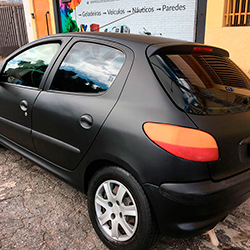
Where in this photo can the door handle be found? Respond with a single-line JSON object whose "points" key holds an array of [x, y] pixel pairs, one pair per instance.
{"points": [[86, 121], [24, 105]]}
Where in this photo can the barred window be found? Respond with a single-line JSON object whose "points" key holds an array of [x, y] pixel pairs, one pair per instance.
{"points": [[237, 13]]}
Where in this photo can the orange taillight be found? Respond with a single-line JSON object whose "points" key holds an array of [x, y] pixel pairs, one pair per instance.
{"points": [[187, 143]]}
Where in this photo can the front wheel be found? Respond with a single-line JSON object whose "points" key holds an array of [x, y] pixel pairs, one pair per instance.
{"points": [[119, 210]]}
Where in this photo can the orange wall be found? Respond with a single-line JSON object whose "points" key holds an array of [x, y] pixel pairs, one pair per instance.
{"points": [[40, 9], [234, 39]]}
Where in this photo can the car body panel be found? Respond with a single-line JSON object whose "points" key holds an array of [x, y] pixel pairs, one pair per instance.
{"points": [[17, 101], [149, 105], [181, 192], [15, 124], [56, 113], [204, 204], [229, 130]]}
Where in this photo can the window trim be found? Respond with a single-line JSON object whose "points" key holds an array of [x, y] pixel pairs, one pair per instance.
{"points": [[67, 50], [158, 65], [22, 52], [30, 46], [63, 41]]}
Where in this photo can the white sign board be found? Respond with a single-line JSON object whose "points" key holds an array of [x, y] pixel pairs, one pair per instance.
{"points": [[168, 18]]}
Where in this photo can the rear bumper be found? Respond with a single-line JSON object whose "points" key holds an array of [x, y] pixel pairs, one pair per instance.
{"points": [[186, 210]]}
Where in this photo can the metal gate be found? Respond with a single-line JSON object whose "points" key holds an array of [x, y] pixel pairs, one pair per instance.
{"points": [[13, 32]]}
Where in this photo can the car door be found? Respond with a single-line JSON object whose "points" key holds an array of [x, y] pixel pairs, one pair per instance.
{"points": [[21, 81], [81, 91]]}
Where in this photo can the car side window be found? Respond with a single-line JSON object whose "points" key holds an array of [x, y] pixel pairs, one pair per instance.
{"points": [[27, 68], [88, 68]]}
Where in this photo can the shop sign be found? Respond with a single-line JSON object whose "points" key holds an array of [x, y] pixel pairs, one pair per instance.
{"points": [[167, 18]]}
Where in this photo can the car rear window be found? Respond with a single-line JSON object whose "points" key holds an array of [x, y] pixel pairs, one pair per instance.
{"points": [[203, 84]]}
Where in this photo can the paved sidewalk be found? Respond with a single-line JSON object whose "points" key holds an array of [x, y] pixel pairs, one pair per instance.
{"points": [[39, 211]]}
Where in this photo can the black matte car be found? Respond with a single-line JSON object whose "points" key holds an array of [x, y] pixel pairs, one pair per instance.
{"points": [[155, 131]]}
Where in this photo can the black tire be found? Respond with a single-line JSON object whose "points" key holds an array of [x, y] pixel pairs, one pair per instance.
{"points": [[120, 230]]}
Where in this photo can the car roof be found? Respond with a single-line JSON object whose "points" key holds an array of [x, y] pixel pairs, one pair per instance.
{"points": [[123, 38], [151, 43]]}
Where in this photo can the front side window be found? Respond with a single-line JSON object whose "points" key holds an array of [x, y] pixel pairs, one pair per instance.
{"points": [[27, 69], [88, 68], [204, 84]]}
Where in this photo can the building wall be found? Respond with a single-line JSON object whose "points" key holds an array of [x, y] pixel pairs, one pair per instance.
{"points": [[35, 15], [41, 7], [234, 39], [29, 21], [167, 18]]}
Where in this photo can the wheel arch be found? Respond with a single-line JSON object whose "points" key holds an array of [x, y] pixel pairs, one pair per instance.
{"points": [[98, 164]]}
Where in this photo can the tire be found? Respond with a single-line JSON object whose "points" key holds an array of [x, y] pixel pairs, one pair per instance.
{"points": [[119, 210]]}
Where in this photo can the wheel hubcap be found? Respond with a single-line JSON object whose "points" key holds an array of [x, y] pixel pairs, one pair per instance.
{"points": [[116, 210]]}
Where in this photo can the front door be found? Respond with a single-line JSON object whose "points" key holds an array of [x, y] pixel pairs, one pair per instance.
{"points": [[20, 84], [84, 87]]}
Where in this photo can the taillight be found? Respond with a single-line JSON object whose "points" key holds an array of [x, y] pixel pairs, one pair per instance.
{"points": [[187, 143], [204, 50]]}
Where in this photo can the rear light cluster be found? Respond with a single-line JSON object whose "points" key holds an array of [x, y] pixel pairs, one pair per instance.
{"points": [[186, 143], [203, 50]]}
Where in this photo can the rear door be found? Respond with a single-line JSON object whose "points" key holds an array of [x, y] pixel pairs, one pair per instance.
{"points": [[21, 82], [81, 91]]}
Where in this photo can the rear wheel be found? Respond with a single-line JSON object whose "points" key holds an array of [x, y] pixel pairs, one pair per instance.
{"points": [[119, 210]]}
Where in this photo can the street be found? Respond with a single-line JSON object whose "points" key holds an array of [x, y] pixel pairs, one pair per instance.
{"points": [[39, 211]]}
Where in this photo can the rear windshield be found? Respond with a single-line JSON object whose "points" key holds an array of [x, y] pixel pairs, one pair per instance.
{"points": [[203, 84]]}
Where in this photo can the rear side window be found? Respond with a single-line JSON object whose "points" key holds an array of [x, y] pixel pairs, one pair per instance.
{"points": [[88, 68], [203, 84], [27, 69]]}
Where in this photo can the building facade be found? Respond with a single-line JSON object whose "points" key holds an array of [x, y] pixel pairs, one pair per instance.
{"points": [[169, 18], [40, 19], [228, 26], [223, 23]]}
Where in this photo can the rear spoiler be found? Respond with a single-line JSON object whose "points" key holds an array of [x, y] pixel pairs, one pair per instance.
{"points": [[189, 48]]}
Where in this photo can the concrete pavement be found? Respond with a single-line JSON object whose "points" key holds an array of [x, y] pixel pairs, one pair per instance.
{"points": [[39, 211]]}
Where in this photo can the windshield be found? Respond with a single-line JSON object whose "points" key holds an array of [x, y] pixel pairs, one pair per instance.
{"points": [[203, 84]]}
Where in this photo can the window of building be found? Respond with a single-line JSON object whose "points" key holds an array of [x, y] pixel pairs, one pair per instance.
{"points": [[27, 68], [237, 13], [88, 68]]}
